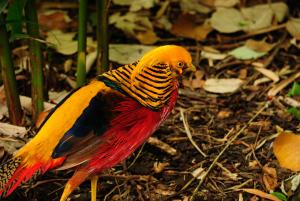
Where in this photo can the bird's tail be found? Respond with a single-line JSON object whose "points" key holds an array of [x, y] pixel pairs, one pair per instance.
{"points": [[7, 171], [13, 173]]}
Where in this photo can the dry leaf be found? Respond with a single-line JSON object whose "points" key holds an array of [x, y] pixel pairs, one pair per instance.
{"points": [[130, 23], [126, 53], [293, 27], [213, 55], [185, 26], [261, 16], [147, 37], [54, 19], [226, 3], [268, 73], [68, 65], [269, 178], [286, 149], [259, 46], [12, 130], [222, 85], [63, 42], [227, 20], [261, 194], [193, 6]]}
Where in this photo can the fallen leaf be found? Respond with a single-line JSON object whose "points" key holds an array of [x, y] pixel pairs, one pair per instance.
{"points": [[259, 46], [68, 65], [261, 16], [268, 73], [279, 195], [26, 103], [147, 37], [90, 60], [245, 53], [221, 86], [269, 178], [261, 194], [57, 96], [63, 42], [54, 19], [12, 130], [227, 20], [198, 82], [186, 26], [293, 27], [11, 145], [226, 3], [295, 90], [130, 23], [126, 54], [295, 112], [193, 6], [295, 182], [213, 55], [230, 20], [286, 149]]}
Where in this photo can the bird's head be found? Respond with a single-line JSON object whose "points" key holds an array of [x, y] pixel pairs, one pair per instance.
{"points": [[176, 58]]}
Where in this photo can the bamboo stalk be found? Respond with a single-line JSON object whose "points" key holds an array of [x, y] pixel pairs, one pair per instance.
{"points": [[36, 59], [9, 78], [102, 36], [81, 58]]}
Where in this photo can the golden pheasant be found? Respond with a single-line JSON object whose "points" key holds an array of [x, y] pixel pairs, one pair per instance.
{"points": [[102, 123]]}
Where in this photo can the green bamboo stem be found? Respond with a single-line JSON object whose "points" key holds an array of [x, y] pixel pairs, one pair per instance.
{"points": [[81, 58], [102, 36], [9, 78], [36, 59]]}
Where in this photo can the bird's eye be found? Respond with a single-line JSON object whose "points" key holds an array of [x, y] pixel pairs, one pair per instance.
{"points": [[180, 64]]}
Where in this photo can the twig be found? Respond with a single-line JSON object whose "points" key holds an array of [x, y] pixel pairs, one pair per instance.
{"points": [[188, 132], [227, 145], [162, 145]]}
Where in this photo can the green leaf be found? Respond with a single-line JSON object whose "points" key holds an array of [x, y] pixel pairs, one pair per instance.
{"points": [[246, 53], [295, 90], [15, 16], [280, 196], [295, 112], [3, 4]]}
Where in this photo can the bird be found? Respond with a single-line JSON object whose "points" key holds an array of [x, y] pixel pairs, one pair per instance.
{"points": [[100, 124]]}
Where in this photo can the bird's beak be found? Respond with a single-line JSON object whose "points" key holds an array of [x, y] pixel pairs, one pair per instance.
{"points": [[190, 68]]}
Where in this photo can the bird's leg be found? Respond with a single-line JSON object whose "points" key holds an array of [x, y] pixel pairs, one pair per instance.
{"points": [[94, 181], [78, 177]]}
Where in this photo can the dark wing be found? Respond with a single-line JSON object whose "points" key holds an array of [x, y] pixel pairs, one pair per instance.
{"points": [[81, 140]]}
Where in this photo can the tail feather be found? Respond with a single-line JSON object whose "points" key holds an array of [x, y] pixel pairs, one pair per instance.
{"points": [[7, 171], [13, 173]]}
